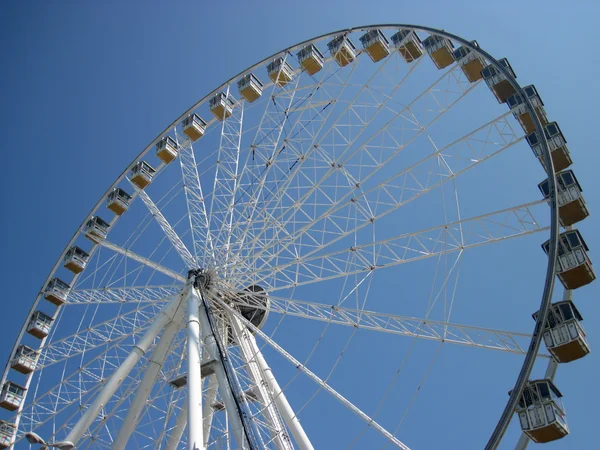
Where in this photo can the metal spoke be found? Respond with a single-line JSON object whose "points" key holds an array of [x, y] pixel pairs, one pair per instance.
{"points": [[315, 378], [226, 180], [451, 237], [451, 333], [391, 194], [100, 335], [119, 295], [174, 239], [199, 223], [145, 261]]}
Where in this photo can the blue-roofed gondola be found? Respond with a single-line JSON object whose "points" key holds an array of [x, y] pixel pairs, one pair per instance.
{"points": [[563, 334], [166, 149], [40, 324], [571, 205], [12, 395], [221, 105], [408, 44], [280, 72], [8, 432], [311, 59], [250, 87], [193, 126], [574, 267], [541, 412], [561, 158], [497, 81], [56, 291], [24, 360], [142, 174], [375, 44], [440, 50], [470, 62], [520, 112], [96, 229], [342, 50], [76, 259], [118, 201]]}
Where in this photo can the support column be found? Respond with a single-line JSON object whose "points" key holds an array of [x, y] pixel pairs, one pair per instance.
{"points": [[145, 387], [194, 375], [210, 345], [163, 318], [273, 419], [284, 407], [207, 407], [178, 429]]}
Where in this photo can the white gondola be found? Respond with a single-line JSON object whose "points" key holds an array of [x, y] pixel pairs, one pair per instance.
{"points": [[57, 291], [166, 149], [541, 412], [7, 434], [40, 325], [440, 50], [118, 201], [280, 72], [563, 334], [342, 50], [497, 81], [76, 259], [571, 205], [250, 87], [517, 107], [561, 158], [25, 359], [574, 268], [96, 229], [408, 44], [221, 105], [375, 44], [141, 174], [311, 59], [193, 126], [11, 396], [470, 62]]}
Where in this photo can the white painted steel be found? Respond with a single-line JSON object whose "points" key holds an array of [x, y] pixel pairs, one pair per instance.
{"points": [[265, 242], [164, 317], [177, 432], [368, 420], [142, 260], [155, 365], [207, 407], [210, 346], [272, 416], [283, 405], [194, 375]]}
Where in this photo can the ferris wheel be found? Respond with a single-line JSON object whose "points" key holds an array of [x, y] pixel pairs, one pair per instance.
{"points": [[281, 267]]}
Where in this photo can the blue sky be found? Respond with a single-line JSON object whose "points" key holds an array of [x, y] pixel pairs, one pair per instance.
{"points": [[86, 86]]}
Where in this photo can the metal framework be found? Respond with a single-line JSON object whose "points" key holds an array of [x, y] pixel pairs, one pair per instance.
{"points": [[290, 206]]}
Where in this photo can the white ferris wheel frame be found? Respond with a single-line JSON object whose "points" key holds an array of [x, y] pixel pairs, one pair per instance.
{"points": [[511, 342]]}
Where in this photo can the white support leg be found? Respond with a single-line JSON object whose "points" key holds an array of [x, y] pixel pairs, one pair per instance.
{"points": [[163, 318], [194, 375], [284, 407], [210, 345], [207, 406], [178, 429], [273, 419], [145, 387]]}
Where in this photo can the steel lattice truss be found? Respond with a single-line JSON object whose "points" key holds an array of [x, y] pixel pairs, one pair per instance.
{"points": [[320, 192]]}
